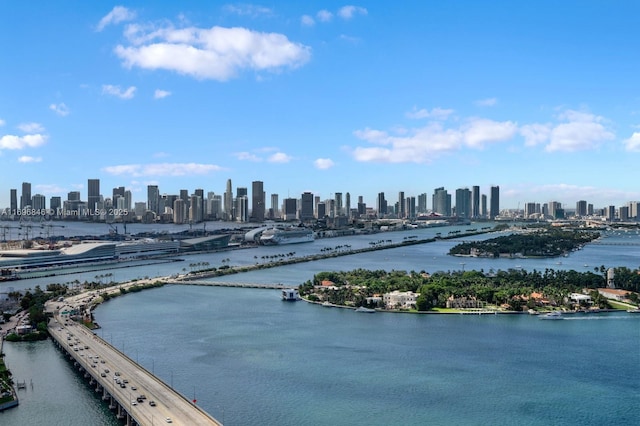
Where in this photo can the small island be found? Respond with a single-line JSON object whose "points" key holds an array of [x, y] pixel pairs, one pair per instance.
{"points": [[537, 242]]}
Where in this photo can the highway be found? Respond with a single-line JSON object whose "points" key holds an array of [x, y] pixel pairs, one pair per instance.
{"points": [[120, 376]]}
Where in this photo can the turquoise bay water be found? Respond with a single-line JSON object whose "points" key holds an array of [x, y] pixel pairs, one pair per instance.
{"points": [[249, 358], [253, 359]]}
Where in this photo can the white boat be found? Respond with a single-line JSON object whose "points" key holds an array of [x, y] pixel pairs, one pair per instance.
{"points": [[291, 235], [634, 311], [365, 310], [555, 315]]}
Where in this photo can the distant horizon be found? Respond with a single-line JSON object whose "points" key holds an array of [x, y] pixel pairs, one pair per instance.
{"points": [[538, 98]]}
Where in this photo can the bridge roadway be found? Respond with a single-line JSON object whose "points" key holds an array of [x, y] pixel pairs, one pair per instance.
{"points": [[228, 284], [93, 357]]}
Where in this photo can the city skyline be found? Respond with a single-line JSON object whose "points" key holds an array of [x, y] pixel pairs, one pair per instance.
{"points": [[336, 97], [233, 204]]}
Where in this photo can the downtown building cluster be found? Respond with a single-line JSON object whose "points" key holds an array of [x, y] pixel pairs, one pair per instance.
{"points": [[242, 206]]}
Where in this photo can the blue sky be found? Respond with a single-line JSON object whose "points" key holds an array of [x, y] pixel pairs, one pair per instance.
{"points": [[541, 98]]}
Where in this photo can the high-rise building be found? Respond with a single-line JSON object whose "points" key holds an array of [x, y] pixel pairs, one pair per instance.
{"points": [[402, 208], [529, 210], [634, 209], [483, 206], [228, 202], [38, 202], [337, 206], [441, 202], [195, 208], [463, 203], [623, 213], [274, 206], [306, 207], [321, 210], [422, 203], [55, 205], [25, 198], [610, 213], [202, 206], [178, 211], [581, 208], [13, 206], [73, 196], [93, 194], [257, 201], [554, 208], [347, 207], [494, 210], [381, 204], [153, 199], [475, 201], [289, 209], [410, 207], [242, 208]]}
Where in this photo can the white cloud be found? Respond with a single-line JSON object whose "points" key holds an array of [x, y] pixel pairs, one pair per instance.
{"points": [[307, 21], [423, 145], [633, 143], [248, 10], [118, 14], [279, 157], [2, 122], [535, 134], [350, 39], [479, 131], [61, 109], [436, 113], [581, 131], [21, 142], [31, 127], [215, 53], [247, 156], [162, 169], [348, 12], [323, 163], [486, 102], [161, 94], [28, 159], [324, 15], [108, 89]]}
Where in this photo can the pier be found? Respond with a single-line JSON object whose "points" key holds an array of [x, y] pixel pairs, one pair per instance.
{"points": [[120, 380]]}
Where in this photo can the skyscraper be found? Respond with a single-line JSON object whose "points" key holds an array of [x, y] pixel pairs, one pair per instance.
{"points": [[228, 201], [202, 205], [441, 201], [422, 203], [25, 198], [463, 203], [14, 202], [257, 201], [153, 198], [494, 209], [306, 207], [581, 208], [347, 199], [475, 201], [402, 208], [338, 204], [274, 206], [93, 194], [381, 204]]}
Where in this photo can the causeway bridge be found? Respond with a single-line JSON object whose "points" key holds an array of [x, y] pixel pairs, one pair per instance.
{"points": [[121, 381], [229, 284]]}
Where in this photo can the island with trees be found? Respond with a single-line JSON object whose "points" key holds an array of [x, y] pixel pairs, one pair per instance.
{"points": [[536, 242], [513, 290]]}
